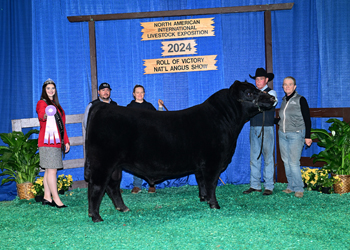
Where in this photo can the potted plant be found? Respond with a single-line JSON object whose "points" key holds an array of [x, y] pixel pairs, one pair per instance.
{"points": [[38, 189], [19, 161], [319, 179], [64, 182], [336, 154]]}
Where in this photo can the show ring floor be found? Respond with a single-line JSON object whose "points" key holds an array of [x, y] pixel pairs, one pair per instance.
{"points": [[174, 218]]}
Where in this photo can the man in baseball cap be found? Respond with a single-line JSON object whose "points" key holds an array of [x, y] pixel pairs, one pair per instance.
{"points": [[104, 85], [104, 95]]}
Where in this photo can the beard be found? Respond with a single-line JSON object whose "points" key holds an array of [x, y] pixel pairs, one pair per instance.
{"points": [[105, 98]]}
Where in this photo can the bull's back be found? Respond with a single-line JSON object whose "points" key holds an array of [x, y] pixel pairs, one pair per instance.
{"points": [[172, 143]]}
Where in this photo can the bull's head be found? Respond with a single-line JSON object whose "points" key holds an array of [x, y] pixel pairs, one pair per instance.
{"points": [[248, 94]]}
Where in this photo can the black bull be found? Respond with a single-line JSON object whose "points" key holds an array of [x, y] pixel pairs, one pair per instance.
{"points": [[156, 146]]}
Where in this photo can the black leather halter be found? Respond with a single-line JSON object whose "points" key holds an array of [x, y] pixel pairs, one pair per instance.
{"points": [[255, 101]]}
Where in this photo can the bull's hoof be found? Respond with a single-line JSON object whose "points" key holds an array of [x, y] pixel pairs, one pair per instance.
{"points": [[89, 214], [214, 206], [126, 209], [203, 198], [96, 218]]}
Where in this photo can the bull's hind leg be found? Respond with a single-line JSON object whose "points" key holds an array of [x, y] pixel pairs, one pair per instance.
{"points": [[113, 191], [96, 193], [96, 190], [201, 187]]}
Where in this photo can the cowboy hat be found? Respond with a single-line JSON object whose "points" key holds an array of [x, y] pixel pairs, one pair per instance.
{"points": [[262, 72]]}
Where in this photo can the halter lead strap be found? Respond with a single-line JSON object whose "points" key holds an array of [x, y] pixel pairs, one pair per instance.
{"points": [[262, 134], [256, 102]]}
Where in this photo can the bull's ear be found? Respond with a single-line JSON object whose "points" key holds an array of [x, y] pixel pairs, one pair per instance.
{"points": [[235, 85]]}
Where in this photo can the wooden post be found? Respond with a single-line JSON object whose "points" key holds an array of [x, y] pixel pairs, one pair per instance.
{"points": [[268, 44], [93, 62]]}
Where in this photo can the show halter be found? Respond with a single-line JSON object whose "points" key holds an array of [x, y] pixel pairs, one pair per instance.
{"points": [[255, 101]]}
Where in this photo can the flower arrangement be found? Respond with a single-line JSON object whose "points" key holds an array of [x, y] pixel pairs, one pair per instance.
{"points": [[38, 187], [316, 178], [64, 182]]}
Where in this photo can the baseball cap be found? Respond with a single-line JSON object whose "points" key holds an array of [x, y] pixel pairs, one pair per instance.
{"points": [[104, 85]]}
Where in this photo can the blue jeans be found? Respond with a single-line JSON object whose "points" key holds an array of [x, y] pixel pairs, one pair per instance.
{"points": [[137, 182], [291, 146], [267, 152]]}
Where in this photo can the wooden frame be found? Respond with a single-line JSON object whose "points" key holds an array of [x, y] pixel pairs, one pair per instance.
{"points": [[19, 124], [171, 13]]}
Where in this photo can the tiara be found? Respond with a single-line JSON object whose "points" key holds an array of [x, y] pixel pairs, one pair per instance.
{"points": [[49, 80]]}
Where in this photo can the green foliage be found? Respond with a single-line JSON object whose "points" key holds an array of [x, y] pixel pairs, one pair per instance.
{"points": [[20, 159], [337, 147]]}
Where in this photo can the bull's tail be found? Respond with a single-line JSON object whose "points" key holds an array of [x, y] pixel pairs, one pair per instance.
{"points": [[87, 170]]}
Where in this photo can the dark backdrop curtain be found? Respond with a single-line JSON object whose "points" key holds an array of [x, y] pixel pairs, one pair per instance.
{"points": [[16, 95]]}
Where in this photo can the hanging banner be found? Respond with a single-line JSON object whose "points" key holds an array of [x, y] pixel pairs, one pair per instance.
{"points": [[180, 64], [174, 29]]}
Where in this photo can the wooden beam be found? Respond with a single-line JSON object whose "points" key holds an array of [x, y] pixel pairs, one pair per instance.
{"points": [[75, 163], [93, 61], [191, 12], [329, 112]]}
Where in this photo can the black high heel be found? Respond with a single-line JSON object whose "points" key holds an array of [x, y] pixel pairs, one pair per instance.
{"points": [[46, 202], [55, 205]]}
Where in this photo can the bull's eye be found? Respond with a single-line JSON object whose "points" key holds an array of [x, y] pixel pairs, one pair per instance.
{"points": [[249, 94]]}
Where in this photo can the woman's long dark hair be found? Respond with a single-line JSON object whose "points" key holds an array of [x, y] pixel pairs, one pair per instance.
{"points": [[45, 97]]}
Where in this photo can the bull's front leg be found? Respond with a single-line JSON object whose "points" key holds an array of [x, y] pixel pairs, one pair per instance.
{"points": [[113, 191], [213, 203], [210, 182]]}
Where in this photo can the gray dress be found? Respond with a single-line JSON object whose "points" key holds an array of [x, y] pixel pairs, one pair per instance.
{"points": [[50, 157]]}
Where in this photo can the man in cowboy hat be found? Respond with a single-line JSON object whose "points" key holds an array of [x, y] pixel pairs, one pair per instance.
{"points": [[261, 79]]}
